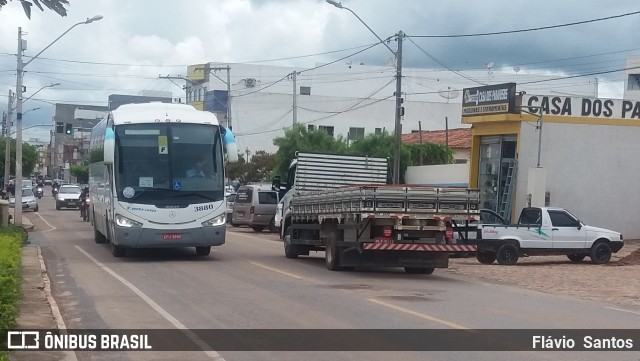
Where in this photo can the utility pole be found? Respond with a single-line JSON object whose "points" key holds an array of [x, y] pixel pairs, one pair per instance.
{"points": [[295, 99], [7, 139], [399, 111], [17, 215], [229, 124]]}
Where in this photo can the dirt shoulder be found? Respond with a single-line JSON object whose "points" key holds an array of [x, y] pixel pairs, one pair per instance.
{"points": [[617, 282]]}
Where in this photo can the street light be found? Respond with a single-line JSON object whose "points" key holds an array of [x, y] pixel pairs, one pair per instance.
{"points": [[399, 113], [17, 219], [7, 152]]}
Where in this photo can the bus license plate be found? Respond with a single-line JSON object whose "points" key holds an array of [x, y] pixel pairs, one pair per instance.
{"points": [[171, 236]]}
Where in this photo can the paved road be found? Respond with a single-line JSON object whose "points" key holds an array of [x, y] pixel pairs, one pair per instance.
{"points": [[248, 283]]}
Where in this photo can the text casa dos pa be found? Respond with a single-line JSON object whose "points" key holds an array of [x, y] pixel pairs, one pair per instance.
{"points": [[585, 107]]}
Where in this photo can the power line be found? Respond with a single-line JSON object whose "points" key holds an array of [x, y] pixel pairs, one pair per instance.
{"points": [[529, 29], [444, 65]]}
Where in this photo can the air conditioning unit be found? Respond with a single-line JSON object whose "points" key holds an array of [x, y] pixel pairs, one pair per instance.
{"points": [[250, 82]]}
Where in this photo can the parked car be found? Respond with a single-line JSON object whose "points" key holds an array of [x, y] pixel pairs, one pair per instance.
{"points": [[29, 200], [255, 206], [546, 231], [68, 197], [230, 200]]}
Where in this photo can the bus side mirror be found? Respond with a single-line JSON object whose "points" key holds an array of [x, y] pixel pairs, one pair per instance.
{"points": [[275, 184], [109, 146], [230, 146]]}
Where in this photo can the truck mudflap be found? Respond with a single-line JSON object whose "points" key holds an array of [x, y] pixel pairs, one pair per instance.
{"points": [[419, 247]]}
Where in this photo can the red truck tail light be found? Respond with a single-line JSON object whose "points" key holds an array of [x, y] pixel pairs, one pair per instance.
{"points": [[386, 231]]}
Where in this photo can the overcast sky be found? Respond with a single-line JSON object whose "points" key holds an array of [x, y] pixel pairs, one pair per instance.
{"points": [[138, 40]]}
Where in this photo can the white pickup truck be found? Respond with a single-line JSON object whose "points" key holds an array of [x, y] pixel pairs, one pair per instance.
{"points": [[546, 231]]}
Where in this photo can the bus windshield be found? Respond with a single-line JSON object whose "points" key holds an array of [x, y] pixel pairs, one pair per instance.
{"points": [[169, 164]]}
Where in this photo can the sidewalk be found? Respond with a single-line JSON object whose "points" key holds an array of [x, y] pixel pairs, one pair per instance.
{"points": [[35, 310]]}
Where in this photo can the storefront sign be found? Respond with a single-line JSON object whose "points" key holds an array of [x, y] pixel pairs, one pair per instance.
{"points": [[582, 107], [490, 99]]}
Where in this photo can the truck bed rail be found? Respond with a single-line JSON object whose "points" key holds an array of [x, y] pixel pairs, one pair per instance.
{"points": [[368, 199]]}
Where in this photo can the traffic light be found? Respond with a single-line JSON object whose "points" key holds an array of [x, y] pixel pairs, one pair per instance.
{"points": [[68, 129]]}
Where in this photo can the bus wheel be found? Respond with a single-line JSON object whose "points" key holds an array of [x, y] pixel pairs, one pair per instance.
{"points": [[203, 251], [117, 251]]}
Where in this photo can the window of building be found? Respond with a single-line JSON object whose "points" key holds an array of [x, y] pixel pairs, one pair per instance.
{"points": [[305, 90], [326, 128], [355, 133], [311, 127], [634, 82], [378, 130], [60, 127]]}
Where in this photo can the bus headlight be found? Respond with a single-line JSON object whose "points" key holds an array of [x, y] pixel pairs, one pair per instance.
{"points": [[123, 221], [217, 221]]}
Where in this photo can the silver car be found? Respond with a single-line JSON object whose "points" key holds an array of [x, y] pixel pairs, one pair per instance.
{"points": [[29, 200], [68, 197]]}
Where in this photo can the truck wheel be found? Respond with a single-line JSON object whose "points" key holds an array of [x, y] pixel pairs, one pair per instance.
{"points": [[332, 255], [507, 254], [257, 228], [485, 257], [419, 270], [600, 253], [575, 258], [290, 250]]}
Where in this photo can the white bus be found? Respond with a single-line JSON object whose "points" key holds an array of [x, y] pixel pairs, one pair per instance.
{"points": [[156, 178]]}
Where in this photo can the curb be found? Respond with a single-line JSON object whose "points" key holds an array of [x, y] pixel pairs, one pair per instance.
{"points": [[38, 309]]}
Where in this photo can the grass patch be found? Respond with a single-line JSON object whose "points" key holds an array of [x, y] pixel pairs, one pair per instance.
{"points": [[12, 239]]}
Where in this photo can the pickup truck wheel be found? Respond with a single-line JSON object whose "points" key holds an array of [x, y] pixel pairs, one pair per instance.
{"points": [[257, 229], [600, 253], [290, 250], [486, 257], [419, 270], [575, 258], [331, 255], [507, 254]]}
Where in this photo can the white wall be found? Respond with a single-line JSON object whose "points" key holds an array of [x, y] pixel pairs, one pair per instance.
{"points": [[440, 175], [260, 117], [592, 170]]}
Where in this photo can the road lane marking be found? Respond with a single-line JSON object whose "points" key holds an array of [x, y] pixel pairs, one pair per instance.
{"points": [[167, 316], [419, 314], [276, 270], [623, 310], [52, 228]]}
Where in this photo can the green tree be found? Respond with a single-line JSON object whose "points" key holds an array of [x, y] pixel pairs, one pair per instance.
{"points": [[237, 170], [29, 157], [299, 139], [81, 172], [260, 168], [431, 154], [56, 5], [382, 145]]}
